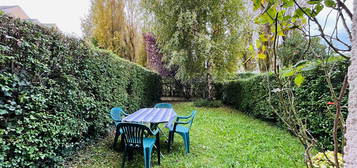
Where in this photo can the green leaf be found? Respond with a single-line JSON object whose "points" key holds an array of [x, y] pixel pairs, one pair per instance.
{"points": [[330, 3], [302, 62], [313, 2], [318, 9], [288, 73], [263, 38], [281, 33], [298, 13], [299, 79], [262, 56], [2, 112], [288, 3], [251, 48], [309, 67]]}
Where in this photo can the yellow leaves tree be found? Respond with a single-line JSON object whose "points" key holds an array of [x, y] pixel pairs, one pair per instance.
{"points": [[108, 25], [111, 25]]}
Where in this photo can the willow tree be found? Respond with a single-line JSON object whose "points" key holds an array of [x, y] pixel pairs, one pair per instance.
{"points": [[115, 25], [106, 26], [201, 37]]}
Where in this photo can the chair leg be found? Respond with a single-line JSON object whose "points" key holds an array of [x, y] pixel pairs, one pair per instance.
{"points": [[122, 145], [115, 139], [158, 147], [124, 156], [170, 141], [147, 157], [186, 139], [131, 154], [172, 137]]}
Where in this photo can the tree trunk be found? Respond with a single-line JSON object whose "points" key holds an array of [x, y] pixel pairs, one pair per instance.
{"points": [[209, 81], [264, 64], [350, 156]]}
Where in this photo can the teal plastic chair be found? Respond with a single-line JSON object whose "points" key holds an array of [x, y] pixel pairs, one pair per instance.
{"points": [[139, 136], [116, 113], [163, 105], [184, 131]]}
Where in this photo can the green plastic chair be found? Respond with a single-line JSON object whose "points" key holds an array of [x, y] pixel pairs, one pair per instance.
{"points": [[163, 105], [182, 130], [135, 136], [116, 113]]}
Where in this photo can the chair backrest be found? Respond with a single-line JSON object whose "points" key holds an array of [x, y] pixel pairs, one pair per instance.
{"points": [[134, 133], [115, 113], [163, 105], [193, 114]]}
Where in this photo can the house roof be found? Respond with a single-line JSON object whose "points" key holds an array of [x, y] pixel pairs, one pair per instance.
{"points": [[18, 12], [7, 7], [15, 11]]}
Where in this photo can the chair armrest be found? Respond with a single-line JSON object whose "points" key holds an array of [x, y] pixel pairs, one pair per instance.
{"points": [[124, 113], [183, 117], [182, 122], [177, 123], [154, 132]]}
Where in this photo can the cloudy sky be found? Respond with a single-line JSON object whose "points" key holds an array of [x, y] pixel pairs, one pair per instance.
{"points": [[66, 14], [331, 22]]}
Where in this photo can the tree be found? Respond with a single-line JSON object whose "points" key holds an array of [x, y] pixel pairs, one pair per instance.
{"points": [[154, 56], [201, 37], [351, 123], [294, 49], [114, 25], [133, 39], [107, 17]]}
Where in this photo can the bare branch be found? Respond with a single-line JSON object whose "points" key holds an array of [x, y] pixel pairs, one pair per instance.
{"points": [[323, 35], [345, 26], [344, 7]]}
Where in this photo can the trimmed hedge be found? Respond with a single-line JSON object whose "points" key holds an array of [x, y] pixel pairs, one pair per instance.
{"points": [[207, 103], [56, 93], [250, 96]]}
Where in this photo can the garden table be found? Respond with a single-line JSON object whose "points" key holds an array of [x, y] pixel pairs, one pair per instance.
{"points": [[152, 115]]}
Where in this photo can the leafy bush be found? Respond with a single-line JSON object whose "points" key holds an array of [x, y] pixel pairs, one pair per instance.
{"points": [[56, 93], [208, 103], [195, 88], [251, 96], [244, 75], [324, 160], [247, 75]]}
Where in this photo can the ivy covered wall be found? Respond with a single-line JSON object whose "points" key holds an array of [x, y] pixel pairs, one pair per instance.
{"points": [[56, 93]]}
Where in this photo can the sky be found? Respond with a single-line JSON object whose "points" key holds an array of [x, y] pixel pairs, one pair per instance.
{"points": [[331, 22], [66, 14]]}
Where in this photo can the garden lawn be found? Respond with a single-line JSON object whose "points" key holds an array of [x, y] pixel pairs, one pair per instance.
{"points": [[220, 137]]}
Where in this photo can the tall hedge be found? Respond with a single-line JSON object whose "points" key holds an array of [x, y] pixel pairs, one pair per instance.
{"points": [[250, 95], [56, 93]]}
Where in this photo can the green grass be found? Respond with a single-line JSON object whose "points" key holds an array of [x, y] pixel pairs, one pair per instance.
{"points": [[220, 137]]}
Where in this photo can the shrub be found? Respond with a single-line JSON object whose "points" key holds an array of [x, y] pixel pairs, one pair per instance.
{"points": [[208, 103], [251, 96], [56, 93], [324, 160], [244, 75]]}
